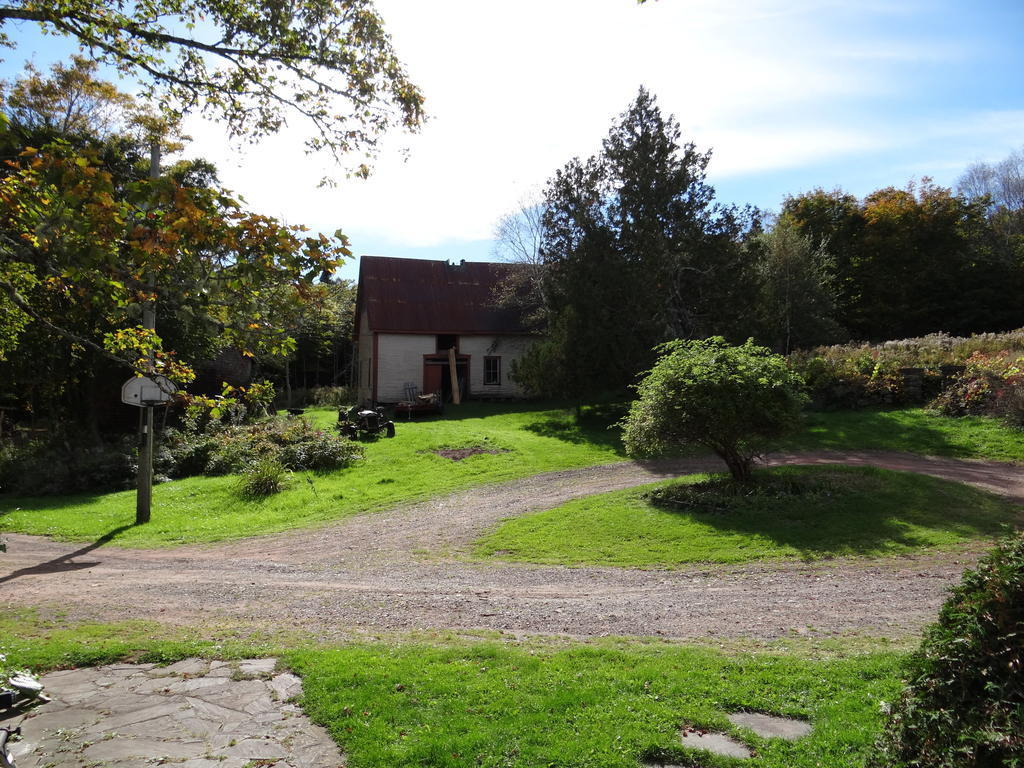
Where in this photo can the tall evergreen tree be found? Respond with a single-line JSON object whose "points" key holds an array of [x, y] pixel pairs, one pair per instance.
{"points": [[634, 252], [796, 294]]}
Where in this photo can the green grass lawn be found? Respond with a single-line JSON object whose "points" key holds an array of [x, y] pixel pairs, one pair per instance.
{"points": [[912, 430], [533, 439], [404, 468], [442, 701], [492, 705], [856, 511], [497, 703]]}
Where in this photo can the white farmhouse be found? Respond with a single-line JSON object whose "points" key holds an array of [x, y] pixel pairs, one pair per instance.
{"points": [[411, 312]]}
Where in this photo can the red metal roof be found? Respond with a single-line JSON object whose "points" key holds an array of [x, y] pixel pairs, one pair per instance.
{"points": [[422, 296]]}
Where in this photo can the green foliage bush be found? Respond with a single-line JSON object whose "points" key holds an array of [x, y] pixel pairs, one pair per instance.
{"points": [[964, 704], [60, 466], [844, 384], [295, 443], [184, 452], [236, 447], [868, 375], [331, 397], [991, 385], [57, 466], [258, 395], [732, 400], [720, 495], [332, 451], [262, 478]]}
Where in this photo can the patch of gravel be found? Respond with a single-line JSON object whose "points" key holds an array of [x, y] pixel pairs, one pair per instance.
{"points": [[400, 569]]}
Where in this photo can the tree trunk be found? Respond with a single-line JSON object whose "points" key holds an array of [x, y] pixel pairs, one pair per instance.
{"points": [[740, 467], [287, 384]]}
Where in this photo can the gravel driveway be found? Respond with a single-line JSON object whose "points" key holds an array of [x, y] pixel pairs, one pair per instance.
{"points": [[401, 570]]}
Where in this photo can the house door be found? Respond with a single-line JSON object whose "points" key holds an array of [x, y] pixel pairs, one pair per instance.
{"points": [[436, 376], [433, 371]]}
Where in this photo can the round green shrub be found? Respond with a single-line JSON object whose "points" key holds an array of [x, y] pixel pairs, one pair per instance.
{"points": [[733, 400], [963, 706], [263, 478]]}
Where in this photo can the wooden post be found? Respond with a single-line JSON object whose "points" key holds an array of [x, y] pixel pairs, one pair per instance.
{"points": [[456, 394], [144, 496]]}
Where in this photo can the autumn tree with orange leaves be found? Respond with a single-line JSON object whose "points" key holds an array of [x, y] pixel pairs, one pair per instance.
{"points": [[69, 240]]}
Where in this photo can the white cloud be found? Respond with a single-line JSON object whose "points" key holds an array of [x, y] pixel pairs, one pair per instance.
{"points": [[991, 127], [516, 89], [742, 152]]}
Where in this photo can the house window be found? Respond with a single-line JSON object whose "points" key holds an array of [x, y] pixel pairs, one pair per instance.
{"points": [[492, 370]]}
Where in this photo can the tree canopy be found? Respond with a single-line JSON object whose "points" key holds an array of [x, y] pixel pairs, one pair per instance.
{"points": [[248, 64], [70, 101], [88, 239], [79, 240], [911, 261], [634, 251], [795, 302], [1001, 183], [732, 400]]}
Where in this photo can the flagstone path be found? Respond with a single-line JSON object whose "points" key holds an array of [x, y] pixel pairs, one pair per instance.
{"points": [[193, 714]]}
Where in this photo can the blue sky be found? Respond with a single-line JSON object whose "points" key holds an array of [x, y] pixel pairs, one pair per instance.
{"points": [[789, 94]]}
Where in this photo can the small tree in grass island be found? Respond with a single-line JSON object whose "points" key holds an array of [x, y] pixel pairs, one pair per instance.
{"points": [[733, 400]]}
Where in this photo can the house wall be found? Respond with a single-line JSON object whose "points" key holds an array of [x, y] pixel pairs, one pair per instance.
{"points": [[364, 368], [508, 348], [400, 360]]}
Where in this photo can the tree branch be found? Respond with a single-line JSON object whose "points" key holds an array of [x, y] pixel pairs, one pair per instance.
{"points": [[21, 303]]}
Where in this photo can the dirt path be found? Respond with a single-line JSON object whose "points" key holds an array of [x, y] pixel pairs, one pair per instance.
{"points": [[400, 570]]}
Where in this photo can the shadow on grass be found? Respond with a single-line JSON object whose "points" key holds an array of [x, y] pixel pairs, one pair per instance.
{"points": [[10, 503], [567, 430], [864, 512], [877, 429], [63, 563], [595, 425]]}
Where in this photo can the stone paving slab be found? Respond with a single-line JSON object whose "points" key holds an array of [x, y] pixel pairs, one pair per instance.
{"points": [[771, 726], [765, 726], [192, 714], [718, 743]]}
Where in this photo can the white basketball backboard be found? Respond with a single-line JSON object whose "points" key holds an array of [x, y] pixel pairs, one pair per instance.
{"points": [[144, 390]]}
